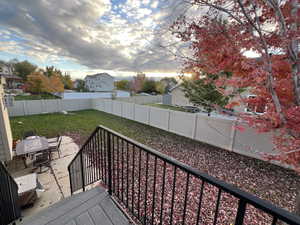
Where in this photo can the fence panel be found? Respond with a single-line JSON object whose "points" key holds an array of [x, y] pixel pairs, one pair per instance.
{"points": [[159, 118], [250, 143], [117, 108], [141, 113], [128, 110], [215, 131], [34, 107], [182, 123]]}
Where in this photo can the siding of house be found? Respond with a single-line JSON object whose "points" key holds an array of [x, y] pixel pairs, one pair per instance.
{"points": [[99, 82], [178, 97], [5, 131]]}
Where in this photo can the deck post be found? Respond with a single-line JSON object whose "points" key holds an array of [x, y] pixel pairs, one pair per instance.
{"points": [[109, 164]]}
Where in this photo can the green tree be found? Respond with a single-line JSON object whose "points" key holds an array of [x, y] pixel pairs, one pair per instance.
{"points": [[203, 93], [67, 81], [51, 70], [122, 85], [149, 86], [24, 68], [160, 87], [80, 87], [168, 82]]}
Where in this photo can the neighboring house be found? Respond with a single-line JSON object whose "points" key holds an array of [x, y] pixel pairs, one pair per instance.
{"points": [[178, 97], [6, 68], [99, 82], [12, 81], [5, 130]]}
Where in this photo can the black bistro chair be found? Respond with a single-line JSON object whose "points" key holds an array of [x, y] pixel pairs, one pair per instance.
{"points": [[55, 147], [42, 159], [29, 134]]}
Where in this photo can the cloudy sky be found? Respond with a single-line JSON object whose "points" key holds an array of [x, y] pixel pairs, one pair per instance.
{"points": [[86, 36]]}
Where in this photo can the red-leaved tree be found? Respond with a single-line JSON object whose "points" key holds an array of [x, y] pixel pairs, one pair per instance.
{"points": [[221, 36]]}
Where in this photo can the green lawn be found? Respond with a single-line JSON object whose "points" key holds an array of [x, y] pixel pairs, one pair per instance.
{"points": [[35, 97], [176, 108], [81, 123]]}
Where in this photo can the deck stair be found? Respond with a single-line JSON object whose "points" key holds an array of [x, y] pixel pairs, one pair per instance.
{"points": [[93, 207]]}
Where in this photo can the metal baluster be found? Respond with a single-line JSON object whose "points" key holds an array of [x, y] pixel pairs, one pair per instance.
{"points": [[154, 187], [101, 155], [139, 175], [118, 166], [113, 163], [127, 175], [162, 192], [122, 170], [146, 188], [185, 197], [200, 202], [274, 220], [239, 220], [217, 206], [132, 175], [173, 195], [82, 172], [109, 164]]}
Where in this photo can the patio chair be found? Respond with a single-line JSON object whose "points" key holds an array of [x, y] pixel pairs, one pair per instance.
{"points": [[29, 134], [53, 140], [55, 147], [42, 159]]}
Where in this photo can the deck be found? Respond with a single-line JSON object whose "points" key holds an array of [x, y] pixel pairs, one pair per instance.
{"points": [[93, 207]]}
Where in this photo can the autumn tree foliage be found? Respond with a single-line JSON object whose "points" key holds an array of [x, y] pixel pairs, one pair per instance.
{"points": [[56, 85], [221, 36], [38, 83]]}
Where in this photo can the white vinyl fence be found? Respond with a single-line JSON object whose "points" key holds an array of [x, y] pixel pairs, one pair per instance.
{"points": [[217, 131], [32, 107]]}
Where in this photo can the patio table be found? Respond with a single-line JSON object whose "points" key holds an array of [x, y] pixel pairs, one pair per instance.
{"points": [[31, 145]]}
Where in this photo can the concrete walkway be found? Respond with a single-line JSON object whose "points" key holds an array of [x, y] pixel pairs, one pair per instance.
{"points": [[55, 181]]}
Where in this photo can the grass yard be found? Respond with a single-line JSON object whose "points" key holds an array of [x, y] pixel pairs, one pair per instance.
{"points": [[176, 108], [80, 123], [267, 181], [35, 97]]}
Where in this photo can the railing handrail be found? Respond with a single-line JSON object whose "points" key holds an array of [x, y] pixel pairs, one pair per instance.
{"points": [[248, 198]]}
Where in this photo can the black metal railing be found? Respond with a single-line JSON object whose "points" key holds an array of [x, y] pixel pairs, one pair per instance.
{"points": [[156, 189], [9, 208]]}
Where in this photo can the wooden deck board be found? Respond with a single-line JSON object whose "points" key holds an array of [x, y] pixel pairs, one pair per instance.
{"points": [[94, 207]]}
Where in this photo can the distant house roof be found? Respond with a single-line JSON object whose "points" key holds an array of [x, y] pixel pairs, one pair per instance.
{"points": [[10, 76], [176, 86], [97, 75]]}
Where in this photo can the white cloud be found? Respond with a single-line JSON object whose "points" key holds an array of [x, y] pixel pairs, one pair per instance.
{"points": [[90, 33]]}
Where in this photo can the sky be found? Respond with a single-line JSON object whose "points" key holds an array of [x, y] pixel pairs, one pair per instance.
{"points": [[121, 37]]}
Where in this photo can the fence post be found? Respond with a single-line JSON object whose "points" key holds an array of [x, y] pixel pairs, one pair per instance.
{"points": [[82, 172], [232, 135], [109, 164]]}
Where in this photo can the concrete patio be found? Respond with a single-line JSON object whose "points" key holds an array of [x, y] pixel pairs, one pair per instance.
{"points": [[55, 181]]}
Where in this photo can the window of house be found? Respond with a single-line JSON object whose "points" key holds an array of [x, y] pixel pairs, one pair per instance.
{"points": [[253, 107]]}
